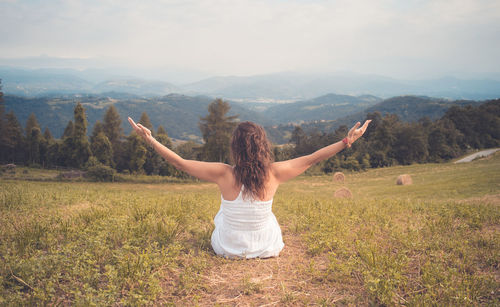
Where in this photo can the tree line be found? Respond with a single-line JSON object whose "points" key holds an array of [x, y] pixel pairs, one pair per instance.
{"points": [[388, 141], [108, 149]]}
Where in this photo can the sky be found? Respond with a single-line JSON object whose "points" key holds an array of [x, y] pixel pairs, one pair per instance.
{"points": [[410, 38]]}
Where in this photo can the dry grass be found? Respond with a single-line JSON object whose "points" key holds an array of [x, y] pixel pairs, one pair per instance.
{"points": [[291, 279]]}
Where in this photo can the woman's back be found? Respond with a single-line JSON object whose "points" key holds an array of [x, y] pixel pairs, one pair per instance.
{"points": [[246, 228], [245, 225]]}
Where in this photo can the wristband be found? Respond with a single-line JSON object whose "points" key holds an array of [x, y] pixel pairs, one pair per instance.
{"points": [[346, 141]]}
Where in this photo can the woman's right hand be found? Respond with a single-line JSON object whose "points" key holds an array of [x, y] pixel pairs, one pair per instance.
{"points": [[144, 132]]}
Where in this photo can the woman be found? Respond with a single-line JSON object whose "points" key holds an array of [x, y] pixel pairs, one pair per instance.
{"points": [[245, 225]]}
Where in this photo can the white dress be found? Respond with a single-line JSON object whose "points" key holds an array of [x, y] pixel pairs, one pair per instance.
{"points": [[246, 229]]}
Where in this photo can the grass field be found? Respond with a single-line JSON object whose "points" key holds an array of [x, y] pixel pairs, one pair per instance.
{"points": [[435, 242]]}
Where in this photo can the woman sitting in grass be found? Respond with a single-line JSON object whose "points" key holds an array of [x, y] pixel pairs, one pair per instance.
{"points": [[245, 225]]}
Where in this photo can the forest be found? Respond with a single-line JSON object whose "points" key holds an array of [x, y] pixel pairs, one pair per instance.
{"points": [[388, 141]]}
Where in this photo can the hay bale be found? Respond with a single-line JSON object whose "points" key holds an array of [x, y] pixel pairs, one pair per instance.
{"points": [[338, 177], [404, 179], [343, 193]]}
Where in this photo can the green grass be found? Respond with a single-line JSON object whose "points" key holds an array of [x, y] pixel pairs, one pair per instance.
{"points": [[435, 242]]}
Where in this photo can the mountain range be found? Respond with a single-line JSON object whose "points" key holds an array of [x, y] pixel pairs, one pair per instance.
{"points": [[286, 86], [180, 114]]}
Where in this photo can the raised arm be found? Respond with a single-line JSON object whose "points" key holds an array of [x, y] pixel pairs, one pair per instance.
{"points": [[286, 170], [209, 171]]}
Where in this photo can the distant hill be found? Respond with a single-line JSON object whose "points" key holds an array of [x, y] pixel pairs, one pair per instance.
{"points": [[179, 114], [269, 87], [407, 108], [302, 86], [327, 107], [136, 87], [24, 82], [50, 82]]}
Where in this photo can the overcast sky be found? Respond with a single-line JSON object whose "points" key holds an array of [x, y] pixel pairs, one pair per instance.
{"points": [[399, 38]]}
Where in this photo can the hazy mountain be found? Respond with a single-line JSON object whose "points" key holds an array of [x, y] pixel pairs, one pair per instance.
{"points": [[407, 108], [17, 81], [306, 86], [179, 114], [259, 88], [327, 107], [136, 87]]}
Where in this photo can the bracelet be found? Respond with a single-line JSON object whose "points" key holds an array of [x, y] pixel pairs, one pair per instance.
{"points": [[346, 141]]}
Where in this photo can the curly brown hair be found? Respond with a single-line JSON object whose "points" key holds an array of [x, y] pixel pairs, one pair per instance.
{"points": [[252, 156]]}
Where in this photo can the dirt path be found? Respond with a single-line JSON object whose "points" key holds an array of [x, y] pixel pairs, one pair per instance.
{"points": [[293, 278], [480, 154]]}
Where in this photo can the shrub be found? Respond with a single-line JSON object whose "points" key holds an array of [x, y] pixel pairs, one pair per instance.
{"points": [[101, 173]]}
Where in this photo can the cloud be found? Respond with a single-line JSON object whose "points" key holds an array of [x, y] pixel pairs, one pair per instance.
{"points": [[247, 37]]}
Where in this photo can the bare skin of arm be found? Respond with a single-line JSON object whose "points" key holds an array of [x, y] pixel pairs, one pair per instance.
{"points": [[286, 170], [219, 173], [222, 174]]}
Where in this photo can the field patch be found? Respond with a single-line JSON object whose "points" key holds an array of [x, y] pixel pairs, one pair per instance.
{"points": [[434, 242]]}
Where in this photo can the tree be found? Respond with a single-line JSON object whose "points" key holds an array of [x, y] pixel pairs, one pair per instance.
{"points": [[34, 140], [48, 135], [102, 149], [144, 120], [35, 144], [14, 144], [68, 131], [382, 139], [81, 150], [444, 141], [410, 144], [161, 130], [160, 166], [31, 123], [98, 128], [112, 125], [113, 130], [136, 153], [216, 129], [65, 148]]}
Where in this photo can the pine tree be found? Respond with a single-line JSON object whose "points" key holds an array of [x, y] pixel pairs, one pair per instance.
{"points": [[35, 144], [216, 129], [81, 150], [33, 140], [30, 124], [152, 158], [160, 166], [161, 130], [113, 130], [112, 125], [98, 128], [136, 153], [102, 149], [144, 120], [48, 135], [68, 131], [14, 144]]}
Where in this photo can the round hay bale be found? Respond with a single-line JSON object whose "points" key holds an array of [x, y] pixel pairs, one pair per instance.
{"points": [[338, 177], [404, 179], [343, 193]]}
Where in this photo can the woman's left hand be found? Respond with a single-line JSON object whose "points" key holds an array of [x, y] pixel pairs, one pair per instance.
{"points": [[356, 132]]}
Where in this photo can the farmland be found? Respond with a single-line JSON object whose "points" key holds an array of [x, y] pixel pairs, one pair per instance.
{"points": [[435, 242]]}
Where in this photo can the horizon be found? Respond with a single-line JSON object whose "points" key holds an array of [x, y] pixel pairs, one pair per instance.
{"points": [[189, 41]]}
